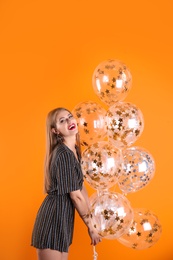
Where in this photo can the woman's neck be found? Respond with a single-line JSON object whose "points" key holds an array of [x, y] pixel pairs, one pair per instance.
{"points": [[70, 143]]}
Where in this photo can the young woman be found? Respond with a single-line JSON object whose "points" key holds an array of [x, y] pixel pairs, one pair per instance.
{"points": [[53, 229]]}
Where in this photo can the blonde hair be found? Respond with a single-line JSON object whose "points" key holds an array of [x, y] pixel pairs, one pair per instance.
{"points": [[52, 141]]}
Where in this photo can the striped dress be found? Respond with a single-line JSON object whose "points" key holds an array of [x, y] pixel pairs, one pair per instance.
{"points": [[54, 223]]}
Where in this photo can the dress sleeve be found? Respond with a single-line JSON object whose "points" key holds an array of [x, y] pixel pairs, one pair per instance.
{"points": [[67, 178]]}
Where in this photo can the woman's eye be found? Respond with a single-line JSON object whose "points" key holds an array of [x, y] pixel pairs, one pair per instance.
{"points": [[61, 121], [70, 116]]}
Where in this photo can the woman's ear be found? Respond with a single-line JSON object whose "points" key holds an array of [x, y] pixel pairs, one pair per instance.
{"points": [[54, 131]]}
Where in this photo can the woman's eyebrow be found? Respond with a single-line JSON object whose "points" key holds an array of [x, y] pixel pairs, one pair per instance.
{"points": [[64, 116]]}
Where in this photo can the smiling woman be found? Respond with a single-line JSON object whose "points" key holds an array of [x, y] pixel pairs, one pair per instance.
{"points": [[52, 233], [48, 53]]}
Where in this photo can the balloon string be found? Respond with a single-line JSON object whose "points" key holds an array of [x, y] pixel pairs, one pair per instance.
{"points": [[95, 253], [121, 155]]}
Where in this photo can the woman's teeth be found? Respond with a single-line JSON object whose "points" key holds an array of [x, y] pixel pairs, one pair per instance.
{"points": [[71, 127]]}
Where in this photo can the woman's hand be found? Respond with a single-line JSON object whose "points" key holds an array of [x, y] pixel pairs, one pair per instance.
{"points": [[95, 237]]}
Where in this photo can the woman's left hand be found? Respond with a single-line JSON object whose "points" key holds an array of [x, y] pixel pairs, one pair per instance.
{"points": [[95, 237]]}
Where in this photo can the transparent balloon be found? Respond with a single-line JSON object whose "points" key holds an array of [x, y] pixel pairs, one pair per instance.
{"points": [[111, 214], [101, 165], [111, 81], [144, 232], [91, 122], [138, 168], [125, 124]]}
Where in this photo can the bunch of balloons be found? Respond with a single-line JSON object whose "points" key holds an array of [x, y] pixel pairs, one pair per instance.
{"points": [[109, 159]]}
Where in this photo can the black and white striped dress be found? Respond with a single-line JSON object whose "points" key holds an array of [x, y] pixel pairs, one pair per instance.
{"points": [[55, 219]]}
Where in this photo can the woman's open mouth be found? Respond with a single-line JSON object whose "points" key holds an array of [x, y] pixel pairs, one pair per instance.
{"points": [[72, 127]]}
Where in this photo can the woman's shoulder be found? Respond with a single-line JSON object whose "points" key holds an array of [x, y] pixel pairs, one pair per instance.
{"points": [[63, 155], [62, 149]]}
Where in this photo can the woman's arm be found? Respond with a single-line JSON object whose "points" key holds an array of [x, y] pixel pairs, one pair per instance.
{"points": [[85, 194], [82, 206]]}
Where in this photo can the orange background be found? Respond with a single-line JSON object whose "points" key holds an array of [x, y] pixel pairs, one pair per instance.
{"points": [[48, 52]]}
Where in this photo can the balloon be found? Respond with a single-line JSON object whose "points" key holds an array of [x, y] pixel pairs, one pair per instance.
{"points": [[111, 81], [125, 124], [101, 165], [111, 214], [91, 122], [138, 168], [144, 232]]}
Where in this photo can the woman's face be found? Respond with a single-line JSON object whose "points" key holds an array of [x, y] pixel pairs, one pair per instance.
{"points": [[66, 124]]}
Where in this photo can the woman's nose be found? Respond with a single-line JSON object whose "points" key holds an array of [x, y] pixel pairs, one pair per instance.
{"points": [[68, 120]]}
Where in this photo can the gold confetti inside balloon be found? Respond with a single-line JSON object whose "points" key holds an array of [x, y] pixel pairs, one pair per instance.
{"points": [[111, 81], [101, 165], [125, 124], [111, 214], [91, 121], [138, 168], [144, 232]]}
